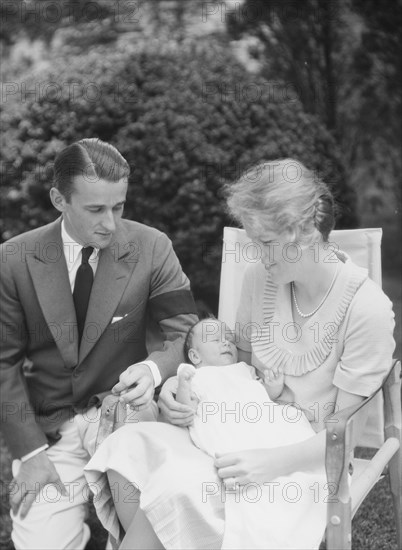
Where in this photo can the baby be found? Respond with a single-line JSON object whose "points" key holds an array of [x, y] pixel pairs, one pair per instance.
{"points": [[234, 410], [210, 343]]}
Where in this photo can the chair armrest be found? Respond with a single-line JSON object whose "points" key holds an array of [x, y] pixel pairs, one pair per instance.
{"points": [[343, 416], [392, 402], [339, 443]]}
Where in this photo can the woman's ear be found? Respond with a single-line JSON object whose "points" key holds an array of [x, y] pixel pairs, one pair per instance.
{"points": [[194, 356], [58, 200], [291, 235]]}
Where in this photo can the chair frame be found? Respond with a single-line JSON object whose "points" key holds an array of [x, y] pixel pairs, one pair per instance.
{"points": [[346, 499]]}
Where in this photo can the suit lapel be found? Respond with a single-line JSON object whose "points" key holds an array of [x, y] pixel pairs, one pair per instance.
{"points": [[48, 270], [116, 264]]}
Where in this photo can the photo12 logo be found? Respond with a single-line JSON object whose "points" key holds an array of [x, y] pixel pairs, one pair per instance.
{"points": [[53, 12]]}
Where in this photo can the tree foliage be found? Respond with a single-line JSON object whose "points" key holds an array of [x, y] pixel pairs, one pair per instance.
{"points": [[298, 43], [343, 59], [40, 19], [188, 119], [371, 96]]}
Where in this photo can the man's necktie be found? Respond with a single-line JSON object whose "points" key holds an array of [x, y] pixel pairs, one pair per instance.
{"points": [[82, 289]]}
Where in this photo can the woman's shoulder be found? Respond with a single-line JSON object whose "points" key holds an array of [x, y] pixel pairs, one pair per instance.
{"points": [[371, 309], [368, 298], [369, 316], [370, 291]]}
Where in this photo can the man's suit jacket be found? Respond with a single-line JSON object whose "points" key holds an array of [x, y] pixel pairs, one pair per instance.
{"points": [[44, 377]]}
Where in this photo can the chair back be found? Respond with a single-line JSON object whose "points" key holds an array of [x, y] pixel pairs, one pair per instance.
{"points": [[364, 248]]}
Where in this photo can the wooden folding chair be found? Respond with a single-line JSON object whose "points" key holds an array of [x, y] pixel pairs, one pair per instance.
{"points": [[383, 408]]}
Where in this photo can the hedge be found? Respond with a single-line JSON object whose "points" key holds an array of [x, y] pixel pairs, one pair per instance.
{"points": [[188, 118]]}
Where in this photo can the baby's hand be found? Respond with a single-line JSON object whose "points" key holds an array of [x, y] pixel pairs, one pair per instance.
{"points": [[272, 377], [275, 381], [186, 371], [184, 394]]}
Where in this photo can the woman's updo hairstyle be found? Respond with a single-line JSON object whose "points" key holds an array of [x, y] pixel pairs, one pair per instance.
{"points": [[283, 195]]}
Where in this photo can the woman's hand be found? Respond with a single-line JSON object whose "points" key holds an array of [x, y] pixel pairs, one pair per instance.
{"points": [[264, 465], [172, 411], [252, 466]]}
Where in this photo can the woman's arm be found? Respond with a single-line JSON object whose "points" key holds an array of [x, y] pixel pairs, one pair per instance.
{"points": [[244, 356], [345, 399], [264, 465]]}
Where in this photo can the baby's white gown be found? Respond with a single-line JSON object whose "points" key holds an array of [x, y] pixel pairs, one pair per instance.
{"points": [[235, 413], [183, 498]]}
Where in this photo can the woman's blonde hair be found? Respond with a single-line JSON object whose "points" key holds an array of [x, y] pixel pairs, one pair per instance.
{"points": [[283, 195]]}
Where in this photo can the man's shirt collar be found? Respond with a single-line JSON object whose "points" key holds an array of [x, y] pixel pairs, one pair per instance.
{"points": [[72, 249]]}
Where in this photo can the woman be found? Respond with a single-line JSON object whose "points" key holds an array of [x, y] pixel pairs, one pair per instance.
{"points": [[314, 315]]}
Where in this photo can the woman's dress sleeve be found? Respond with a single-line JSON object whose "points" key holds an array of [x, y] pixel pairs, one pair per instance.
{"points": [[368, 343]]}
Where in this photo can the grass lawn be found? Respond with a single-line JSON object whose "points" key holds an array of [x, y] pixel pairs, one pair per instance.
{"points": [[374, 524]]}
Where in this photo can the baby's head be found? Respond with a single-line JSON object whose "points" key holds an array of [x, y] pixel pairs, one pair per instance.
{"points": [[210, 343]]}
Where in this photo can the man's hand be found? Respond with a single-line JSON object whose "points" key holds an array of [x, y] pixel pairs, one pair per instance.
{"points": [[33, 475], [135, 386], [172, 411]]}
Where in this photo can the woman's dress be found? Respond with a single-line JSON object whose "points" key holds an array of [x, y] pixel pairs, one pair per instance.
{"points": [[235, 413], [346, 345]]}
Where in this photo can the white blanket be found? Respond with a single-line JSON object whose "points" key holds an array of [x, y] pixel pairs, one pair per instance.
{"points": [[181, 494]]}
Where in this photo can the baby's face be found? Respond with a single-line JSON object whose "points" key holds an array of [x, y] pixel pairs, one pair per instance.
{"points": [[213, 344]]}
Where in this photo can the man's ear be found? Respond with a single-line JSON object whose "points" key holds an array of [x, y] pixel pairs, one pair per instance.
{"points": [[58, 200], [194, 357]]}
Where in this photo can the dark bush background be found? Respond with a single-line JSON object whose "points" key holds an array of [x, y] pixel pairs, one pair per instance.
{"points": [[188, 120]]}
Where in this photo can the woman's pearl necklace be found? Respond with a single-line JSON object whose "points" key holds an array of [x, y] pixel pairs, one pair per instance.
{"points": [[305, 315]]}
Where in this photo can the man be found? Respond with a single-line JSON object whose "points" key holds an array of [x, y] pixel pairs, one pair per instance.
{"points": [[77, 296]]}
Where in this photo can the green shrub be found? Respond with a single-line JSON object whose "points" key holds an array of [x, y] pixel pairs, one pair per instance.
{"points": [[187, 118]]}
